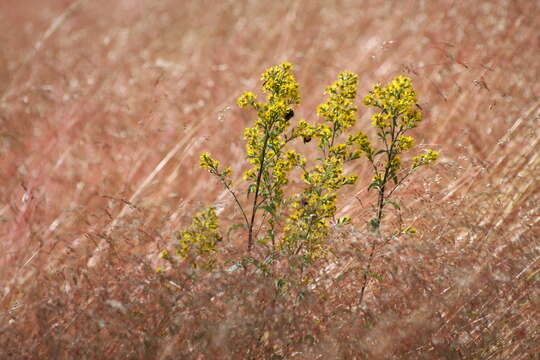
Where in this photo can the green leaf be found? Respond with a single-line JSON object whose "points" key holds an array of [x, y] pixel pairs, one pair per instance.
{"points": [[374, 185], [279, 283], [375, 276], [271, 209], [374, 224], [394, 204], [233, 227], [251, 188], [343, 221], [263, 241]]}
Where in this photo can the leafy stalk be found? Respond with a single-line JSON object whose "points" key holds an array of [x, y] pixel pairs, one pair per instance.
{"points": [[257, 185], [397, 114]]}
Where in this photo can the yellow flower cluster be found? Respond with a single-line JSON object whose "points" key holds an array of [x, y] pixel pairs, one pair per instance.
{"points": [[207, 162], [291, 160], [247, 98], [397, 103], [404, 143], [300, 224], [428, 158], [265, 144], [307, 225], [197, 244], [280, 86], [265, 141], [397, 114], [339, 111], [306, 131], [362, 142]]}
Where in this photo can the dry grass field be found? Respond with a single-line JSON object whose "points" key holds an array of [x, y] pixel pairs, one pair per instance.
{"points": [[105, 107]]}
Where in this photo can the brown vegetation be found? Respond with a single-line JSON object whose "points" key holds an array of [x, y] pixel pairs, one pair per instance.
{"points": [[106, 105]]}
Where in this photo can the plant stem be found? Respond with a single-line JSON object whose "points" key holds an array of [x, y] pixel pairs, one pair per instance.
{"points": [[257, 185], [227, 186], [380, 204], [366, 273]]}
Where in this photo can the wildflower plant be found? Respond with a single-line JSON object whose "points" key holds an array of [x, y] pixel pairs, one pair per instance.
{"points": [[197, 244], [396, 113], [266, 149], [307, 225], [298, 224]]}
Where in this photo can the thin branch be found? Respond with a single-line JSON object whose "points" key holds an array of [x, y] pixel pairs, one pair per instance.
{"points": [[366, 272], [399, 183], [258, 184], [227, 186]]}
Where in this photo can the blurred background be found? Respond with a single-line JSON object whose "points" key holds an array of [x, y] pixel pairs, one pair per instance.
{"points": [[105, 107]]}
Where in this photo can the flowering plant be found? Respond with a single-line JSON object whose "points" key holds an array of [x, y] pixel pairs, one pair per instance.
{"points": [[298, 224]]}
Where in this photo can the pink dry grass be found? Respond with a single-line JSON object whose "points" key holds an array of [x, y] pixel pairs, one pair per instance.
{"points": [[105, 106]]}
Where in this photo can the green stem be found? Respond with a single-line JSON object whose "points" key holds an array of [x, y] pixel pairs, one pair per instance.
{"points": [[380, 205], [258, 183], [227, 186]]}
